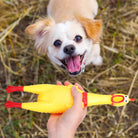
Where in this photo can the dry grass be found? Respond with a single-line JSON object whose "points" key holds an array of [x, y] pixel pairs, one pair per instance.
{"points": [[21, 65]]}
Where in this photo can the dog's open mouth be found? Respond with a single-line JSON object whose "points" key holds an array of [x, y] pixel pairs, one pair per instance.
{"points": [[73, 64]]}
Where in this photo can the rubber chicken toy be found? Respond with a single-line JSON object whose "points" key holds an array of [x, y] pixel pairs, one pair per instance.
{"points": [[57, 98]]}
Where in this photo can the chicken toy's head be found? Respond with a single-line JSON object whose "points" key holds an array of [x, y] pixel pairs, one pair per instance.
{"points": [[120, 99]]}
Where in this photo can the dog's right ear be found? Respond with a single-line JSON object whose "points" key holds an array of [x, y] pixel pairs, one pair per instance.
{"points": [[39, 32], [40, 28]]}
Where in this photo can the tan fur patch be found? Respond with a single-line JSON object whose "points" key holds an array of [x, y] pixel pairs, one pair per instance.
{"points": [[42, 24], [39, 31], [92, 27]]}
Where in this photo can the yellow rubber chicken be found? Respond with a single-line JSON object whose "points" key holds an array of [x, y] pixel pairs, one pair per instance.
{"points": [[57, 98]]}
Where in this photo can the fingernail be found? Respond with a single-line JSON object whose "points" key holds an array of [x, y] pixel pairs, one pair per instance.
{"points": [[74, 88]]}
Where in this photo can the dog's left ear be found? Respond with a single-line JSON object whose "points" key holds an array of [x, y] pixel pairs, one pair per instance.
{"points": [[92, 27]]}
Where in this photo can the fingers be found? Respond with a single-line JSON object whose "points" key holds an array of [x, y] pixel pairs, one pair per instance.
{"points": [[58, 83], [77, 98], [79, 86], [66, 83], [77, 109]]}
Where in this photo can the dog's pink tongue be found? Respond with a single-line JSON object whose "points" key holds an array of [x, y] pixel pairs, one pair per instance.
{"points": [[73, 64]]}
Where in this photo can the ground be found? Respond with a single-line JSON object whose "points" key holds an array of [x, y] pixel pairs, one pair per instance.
{"points": [[20, 64]]}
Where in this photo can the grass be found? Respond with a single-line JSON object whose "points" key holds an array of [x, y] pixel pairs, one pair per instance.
{"points": [[21, 65]]}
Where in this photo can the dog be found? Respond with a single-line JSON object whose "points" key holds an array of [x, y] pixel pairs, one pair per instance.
{"points": [[69, 35]]}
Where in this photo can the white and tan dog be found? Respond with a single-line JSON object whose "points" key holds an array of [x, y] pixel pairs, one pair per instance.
{"points": [[69, 35]]}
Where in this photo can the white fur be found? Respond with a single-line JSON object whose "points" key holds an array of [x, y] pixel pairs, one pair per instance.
{"points": [[66, 30], [66, 33]]}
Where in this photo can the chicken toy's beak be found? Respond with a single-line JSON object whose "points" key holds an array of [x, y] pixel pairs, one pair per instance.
{"points": [[131, 99]]}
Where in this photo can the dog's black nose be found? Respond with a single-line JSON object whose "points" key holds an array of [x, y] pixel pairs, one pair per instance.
{"points": [[69, 49]]}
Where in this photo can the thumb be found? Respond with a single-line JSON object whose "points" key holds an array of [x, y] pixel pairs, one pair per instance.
{"points": [[77, 98]]}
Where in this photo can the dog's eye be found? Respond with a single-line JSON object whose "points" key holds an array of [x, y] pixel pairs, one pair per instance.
{"points": [[78, 38], [57, 43]]}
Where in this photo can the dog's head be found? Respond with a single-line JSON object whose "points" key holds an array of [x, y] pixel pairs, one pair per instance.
{"points": [[71, 45]]}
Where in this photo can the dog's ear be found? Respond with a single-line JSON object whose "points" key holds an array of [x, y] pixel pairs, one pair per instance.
{"points": [[39, 32], [92, 27], [40, 28]]}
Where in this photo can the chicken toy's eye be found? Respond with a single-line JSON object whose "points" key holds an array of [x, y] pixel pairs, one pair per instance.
{"points": [[78, 38], [57, 43], [125, 101]]}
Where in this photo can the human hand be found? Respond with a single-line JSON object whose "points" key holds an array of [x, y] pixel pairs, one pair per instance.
{"points": [[65, 125]]}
